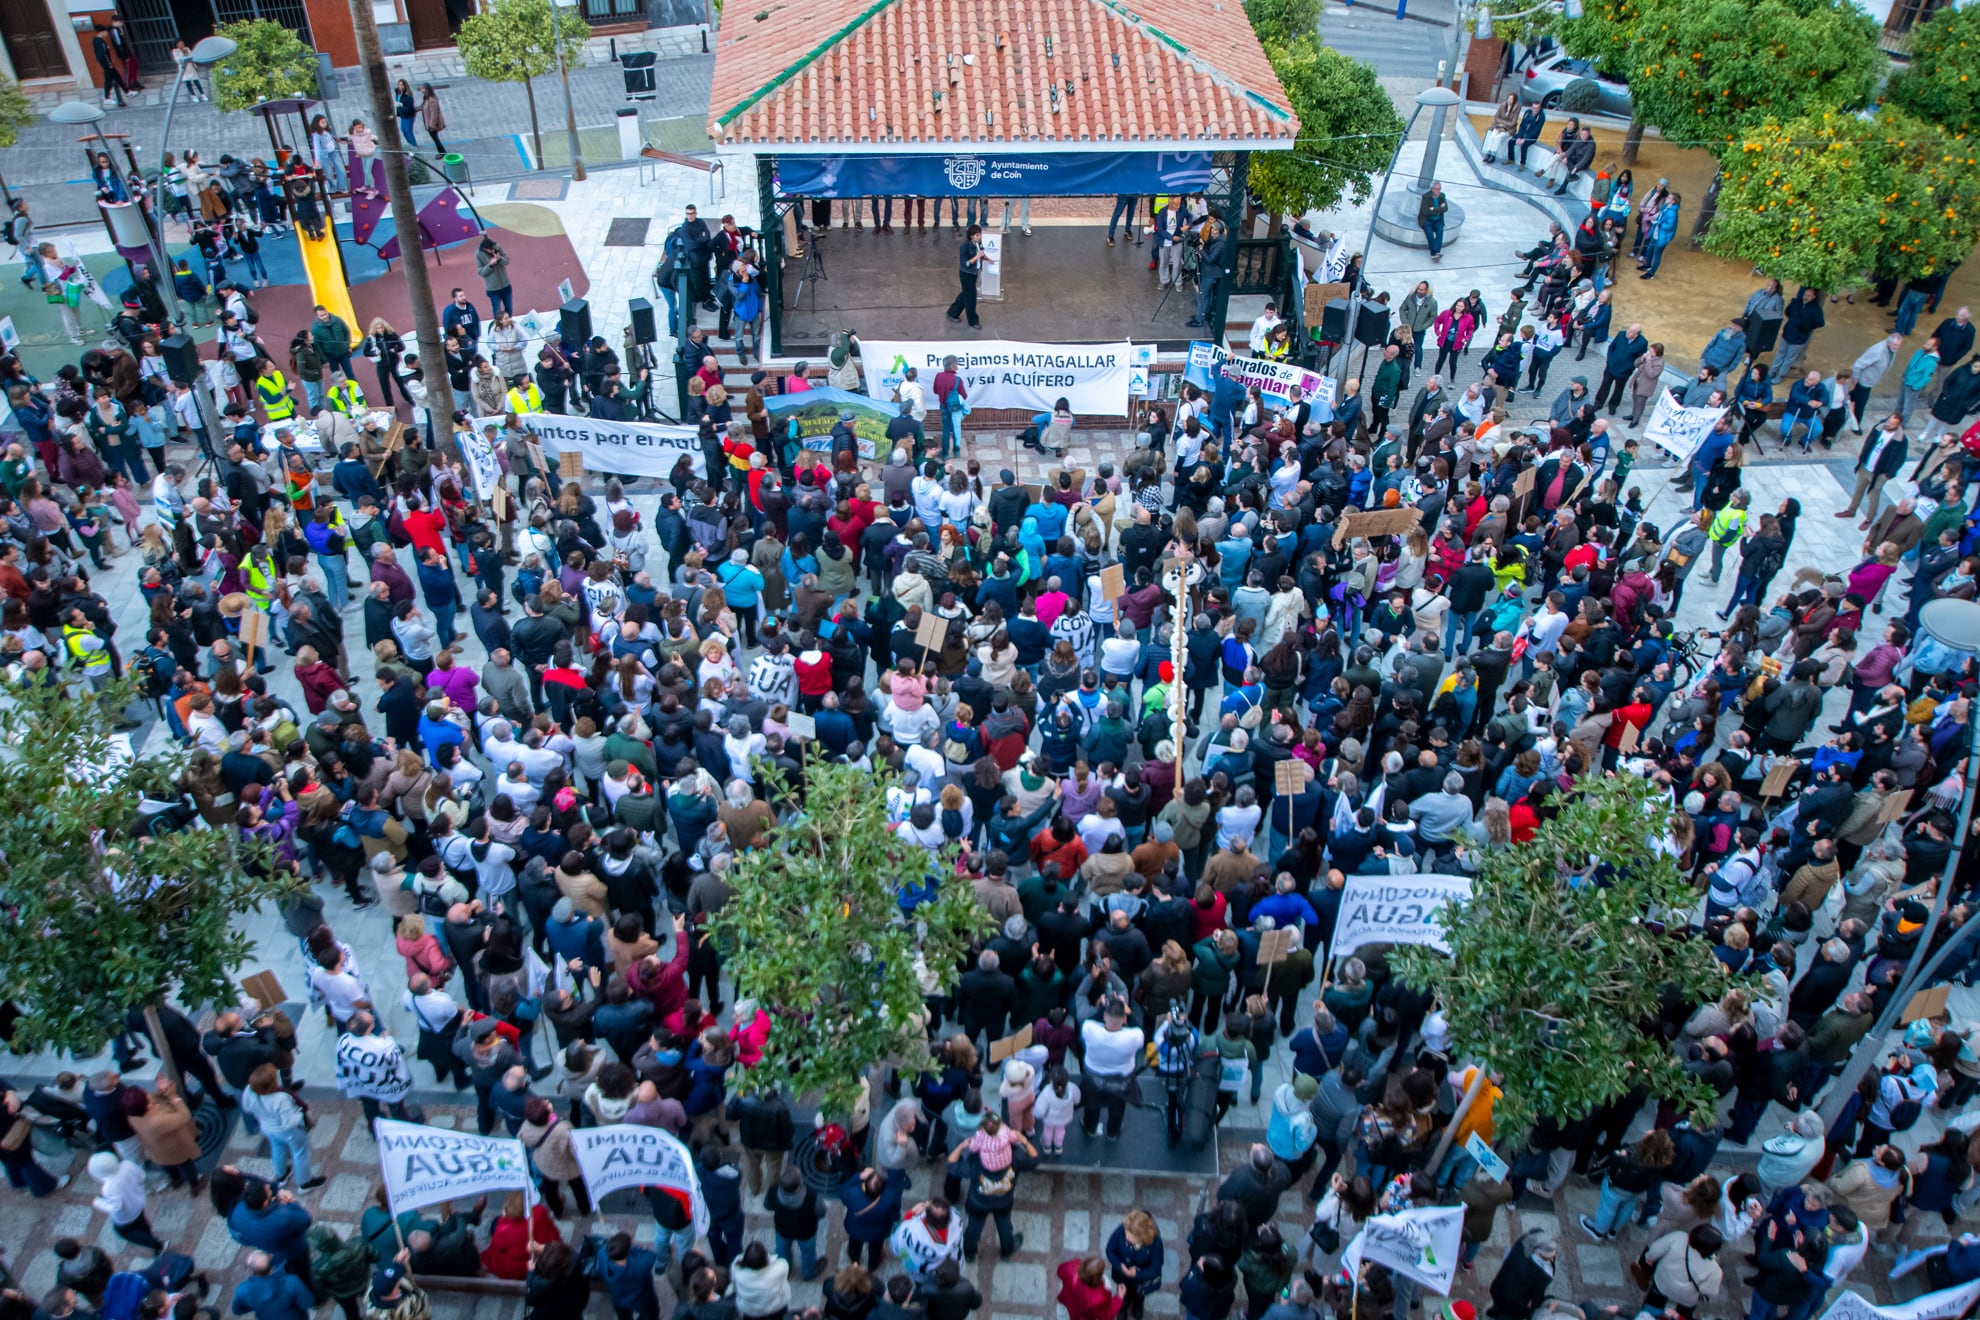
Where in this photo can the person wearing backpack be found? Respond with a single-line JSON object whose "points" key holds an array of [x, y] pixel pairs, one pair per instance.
{"points": [[1908, 1082]]}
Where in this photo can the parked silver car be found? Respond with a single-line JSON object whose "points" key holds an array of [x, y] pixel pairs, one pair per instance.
{"points": [[1546, 79]]}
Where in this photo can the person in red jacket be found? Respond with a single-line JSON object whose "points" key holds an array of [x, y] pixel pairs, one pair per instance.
{"points": [[1635, 714], [1085, 1292], [814, 679], [1059, 842], [664, 985], [507, 1254], [425, 525]]}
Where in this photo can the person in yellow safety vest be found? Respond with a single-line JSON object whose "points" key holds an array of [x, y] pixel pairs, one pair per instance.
{"points": [[524, 397], [345, 397], [272, 388], [1727, 527], [259, 571], [87, 651]]}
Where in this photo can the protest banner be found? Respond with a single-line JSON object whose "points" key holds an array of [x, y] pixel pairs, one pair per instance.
{"points": [[483, 468], [630, 1155], [639, 449], [1395, 909], [1001, 373], [372, 1068], [1678, 430], [1273, 380], [1940, 1305], [814, 412], [1422, 1244], [423, 1166], [1488, 1159]]}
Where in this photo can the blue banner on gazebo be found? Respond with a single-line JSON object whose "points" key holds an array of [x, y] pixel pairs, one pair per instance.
{"points": [[1052, 174]]}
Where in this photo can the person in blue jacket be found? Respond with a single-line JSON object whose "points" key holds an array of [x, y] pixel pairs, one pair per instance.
{"points": [[271, 1221], [628, 1273], [1134, 1260], [271, 1294], [1660, 237], [873, 1204]]}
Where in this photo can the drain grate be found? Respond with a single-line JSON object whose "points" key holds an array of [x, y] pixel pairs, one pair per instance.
{"points": [[627, 231], [538, 190]]}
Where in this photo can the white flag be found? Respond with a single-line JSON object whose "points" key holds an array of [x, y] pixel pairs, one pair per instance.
{"points": [[1422, 1244], [425, 1165]]}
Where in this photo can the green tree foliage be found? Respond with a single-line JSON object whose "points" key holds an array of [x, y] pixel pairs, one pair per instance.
{"points": [[96, 921], [814, 932], [1603, 34], [15, 112], [1550, 977], [1701, 70], [1278, 22], [1942, 82], [270, 61], [1822, 199], [1348, 130], [517, 40]]}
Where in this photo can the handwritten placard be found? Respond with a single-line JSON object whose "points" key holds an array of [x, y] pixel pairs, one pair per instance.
{"points": [[1011, 1044], [1113, 582], [570, 464], [931, 632], [1779, 777]]}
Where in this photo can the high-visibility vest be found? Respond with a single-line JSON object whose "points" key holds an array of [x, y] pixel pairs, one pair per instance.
{"points": [[95, 660], [274, 391], [347, 398], [527, 399], [1727, 525], [260, 587]]}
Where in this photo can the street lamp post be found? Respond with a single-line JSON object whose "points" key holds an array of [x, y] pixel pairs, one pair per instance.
{"points": [[1952, 627], [1482, 16], [564, 75]]}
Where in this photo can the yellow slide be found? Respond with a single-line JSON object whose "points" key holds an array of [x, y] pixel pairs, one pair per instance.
{"points": [[325, 267]]}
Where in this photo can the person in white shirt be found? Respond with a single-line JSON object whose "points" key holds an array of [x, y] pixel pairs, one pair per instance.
{"points": [[491, 861], [1113, 1049], [914, 395], [122, 1198], [338, 985], [925, 758], [515, 786], [1261, 329]]}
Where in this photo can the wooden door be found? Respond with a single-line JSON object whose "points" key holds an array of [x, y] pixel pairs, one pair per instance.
{"points": [[32, 43], [428, 19]]}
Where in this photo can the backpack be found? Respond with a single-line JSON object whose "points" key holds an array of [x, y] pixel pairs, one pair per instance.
{"points": [[1904, 1114], [153, 674], [123, 1296]]}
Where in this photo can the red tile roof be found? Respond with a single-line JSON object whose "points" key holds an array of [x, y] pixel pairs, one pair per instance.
{"points": [[935, 73]]}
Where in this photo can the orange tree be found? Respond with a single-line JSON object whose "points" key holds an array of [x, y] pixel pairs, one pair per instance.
{"points": [[1942, 82], [1703, 70], [1827, 197]]}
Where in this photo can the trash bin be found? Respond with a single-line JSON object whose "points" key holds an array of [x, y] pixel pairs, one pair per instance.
{"points": [[454, 167], [642, 79]]}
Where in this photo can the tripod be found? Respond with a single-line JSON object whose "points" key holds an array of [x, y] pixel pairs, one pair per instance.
{"points": [[814, 269]]}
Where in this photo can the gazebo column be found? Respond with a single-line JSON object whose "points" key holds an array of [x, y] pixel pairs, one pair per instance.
{"points": [[770, 226], [1229, 171]]}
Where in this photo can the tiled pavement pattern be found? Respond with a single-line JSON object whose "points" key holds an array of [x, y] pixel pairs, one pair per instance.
{"points": [[1060, 1215]]}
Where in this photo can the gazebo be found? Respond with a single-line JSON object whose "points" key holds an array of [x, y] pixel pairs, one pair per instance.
{"points": [[844, 100]]}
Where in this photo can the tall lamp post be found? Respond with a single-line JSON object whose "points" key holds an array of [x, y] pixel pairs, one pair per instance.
{"points": [[209, 52], [1951, 629], [564, 75]]}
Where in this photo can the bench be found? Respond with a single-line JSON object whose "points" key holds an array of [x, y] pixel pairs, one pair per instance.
{"points": [[652, 158]]}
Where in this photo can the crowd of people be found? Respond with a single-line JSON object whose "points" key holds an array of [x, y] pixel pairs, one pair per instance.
{"points": [[556, 730]]}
